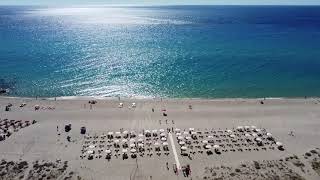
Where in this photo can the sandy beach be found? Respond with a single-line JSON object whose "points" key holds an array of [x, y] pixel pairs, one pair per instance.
{"points": [[198, 133]]}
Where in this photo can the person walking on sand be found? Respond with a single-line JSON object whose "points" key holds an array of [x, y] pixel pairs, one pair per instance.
{"points": [[167, 164]]}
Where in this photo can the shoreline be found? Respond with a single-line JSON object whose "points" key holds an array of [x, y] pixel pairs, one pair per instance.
{"points": [[153, 98]]}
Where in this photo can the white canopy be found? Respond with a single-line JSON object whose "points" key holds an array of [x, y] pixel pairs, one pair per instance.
{"points": [[140, 145], [232, 135], [188, 138], [208, 146], [177, 130], [91, 146], [184, 148], [178, 134], [279, 144], [163, 139], [269, 134], [90, 151], [180, 137], [156, 144], [124, 140], [205, 141], [110, 133], [191, 129], [124, 150], [229, 131], [125, 132], [185, 132], [165, 143], [108, 151], [133, 150], [162, 134], [161, 130], [116, 141], [132, 140], [154, 131]]}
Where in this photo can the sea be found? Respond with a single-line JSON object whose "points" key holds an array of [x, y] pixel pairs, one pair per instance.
{"points": [[160, 51]]}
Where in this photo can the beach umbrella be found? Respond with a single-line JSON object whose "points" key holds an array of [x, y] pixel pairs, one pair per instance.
{"points": [[188, 138], [125, 132], [124, 150], [253, 127], [161, 130], [116, 141], [205, 142], [140, 140], [132, 132], [140, 135], [208, 146], [254, 135], [124, 140], [191, 129], [216, 146], [162, 134], [269, 134], [132, 145], [140, 145], [163, 139], [182, 143], [258, 139], [247, 135], [178, 134], [165, 144], [177, 130], [110, 133], [257, 130], [279, 144], [154, 131], [90, 151], [185, 133], [210, 137], [229, 131], [232, 135], [132, 140], [91, 146], [180, 137], [184, 148], [193, 133], [147, 131], [133, 105], [156, 144], [108, 151], [247, 127], [239, 128]]}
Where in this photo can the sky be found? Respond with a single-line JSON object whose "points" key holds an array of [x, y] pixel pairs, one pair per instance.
{"points": [[160, 2]]}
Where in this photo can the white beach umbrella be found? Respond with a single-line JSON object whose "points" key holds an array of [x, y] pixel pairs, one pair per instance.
{"points": [[182, 143], [156, 144], [254, 135], [108, 151], [269, 134], [133, 105], [132, 132], [110, 133], [188, 138], [140, 135], [90, 151], [154, 131], [247, 135], [232, 135], [140, 140], [208, 146], [124, 140], [257, 130], [180, 137], [132, 140], [216, 146], [163, 139], [258, 139], [147, 131], [177, 130], [162, 134], [193, 133], [229, 131], [116, 141], [185, 133], [165, 143], [239, 128], [210, 137], [161, 130], [205, 142], [184, 148], [91, 146], [125, 132], [140, 145], [124, 150], [132, 145], [279, 144], [178, 134], [191, 129]]}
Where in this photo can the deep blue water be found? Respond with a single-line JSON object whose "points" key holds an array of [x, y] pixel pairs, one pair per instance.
{"points": [[176, 51]]}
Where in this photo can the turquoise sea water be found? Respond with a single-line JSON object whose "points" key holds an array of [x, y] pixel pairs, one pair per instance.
{"points": [[173, 51]]}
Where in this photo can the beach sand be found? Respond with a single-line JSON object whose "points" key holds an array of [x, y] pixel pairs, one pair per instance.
{"points": [[40, 150]]}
